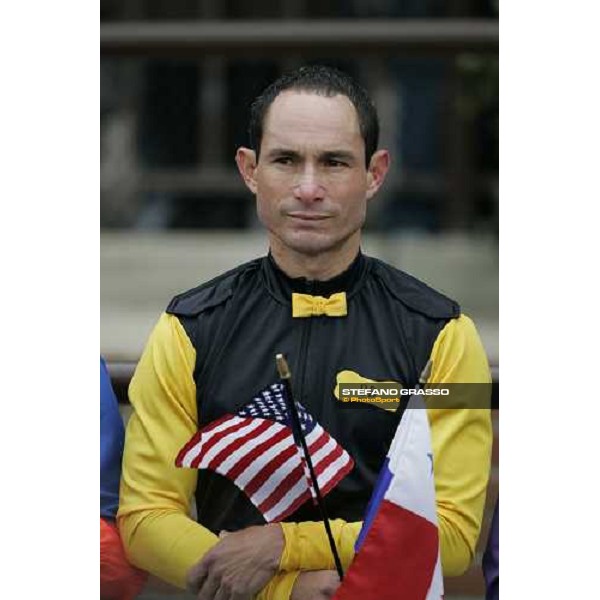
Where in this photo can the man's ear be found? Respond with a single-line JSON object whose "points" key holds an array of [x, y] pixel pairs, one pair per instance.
{"points": [[246, 164], [378, 168]]}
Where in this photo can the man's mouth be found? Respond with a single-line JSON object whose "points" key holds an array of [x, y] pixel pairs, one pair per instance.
{"points": [[308, 216]]}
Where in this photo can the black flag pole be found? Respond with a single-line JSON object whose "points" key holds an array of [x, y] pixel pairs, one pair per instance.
{"points": [[286, 379]]}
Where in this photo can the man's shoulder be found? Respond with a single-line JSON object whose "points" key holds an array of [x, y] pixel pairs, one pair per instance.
{"points": [[413, 293], [211, 293]]}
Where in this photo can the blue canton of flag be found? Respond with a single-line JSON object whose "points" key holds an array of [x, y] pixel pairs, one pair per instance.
{"points": [[271, 404]]}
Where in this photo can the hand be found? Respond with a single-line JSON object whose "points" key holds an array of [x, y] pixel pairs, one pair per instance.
{"points": [[315, 585], [239, 566]]}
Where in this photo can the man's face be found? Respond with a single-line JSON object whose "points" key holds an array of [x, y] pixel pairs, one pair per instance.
{"points": [[311, 183]]}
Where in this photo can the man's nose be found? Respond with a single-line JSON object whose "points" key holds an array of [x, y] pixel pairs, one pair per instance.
{"points": [[308, 187]]}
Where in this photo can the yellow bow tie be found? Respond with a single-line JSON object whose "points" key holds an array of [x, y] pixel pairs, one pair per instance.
{"points": [[304, 305]]}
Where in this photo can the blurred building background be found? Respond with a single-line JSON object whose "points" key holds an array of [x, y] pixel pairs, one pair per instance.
{"points": [[177, 78]]}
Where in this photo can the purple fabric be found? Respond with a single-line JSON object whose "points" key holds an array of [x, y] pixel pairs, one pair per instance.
{"points": [[112, 436], [491, 560]]}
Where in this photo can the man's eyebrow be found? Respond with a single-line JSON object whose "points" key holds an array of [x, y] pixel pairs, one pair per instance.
{"points": [[282, 152], [337, 154]]}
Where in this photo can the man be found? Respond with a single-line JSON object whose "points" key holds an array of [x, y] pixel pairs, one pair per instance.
{"points": [[313, 167]]}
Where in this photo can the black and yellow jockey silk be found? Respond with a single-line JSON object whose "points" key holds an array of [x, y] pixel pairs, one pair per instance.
{"points": [[214, 348]]}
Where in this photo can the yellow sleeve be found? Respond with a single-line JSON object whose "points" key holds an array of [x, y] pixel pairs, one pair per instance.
{"points": [[158, 534], [461, 444], [307, 547], [461, 441]]}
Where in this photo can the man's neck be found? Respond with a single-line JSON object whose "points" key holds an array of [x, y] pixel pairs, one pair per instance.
{"points": [[321, 267]]}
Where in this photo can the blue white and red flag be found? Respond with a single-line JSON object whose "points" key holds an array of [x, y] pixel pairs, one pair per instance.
{"points": [[398, 551]]}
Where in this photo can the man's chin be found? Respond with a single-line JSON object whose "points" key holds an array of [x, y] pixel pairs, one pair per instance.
{"points": [[312, 244]]}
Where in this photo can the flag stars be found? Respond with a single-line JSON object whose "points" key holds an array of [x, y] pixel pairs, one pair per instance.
{"points": [[271, 404]]}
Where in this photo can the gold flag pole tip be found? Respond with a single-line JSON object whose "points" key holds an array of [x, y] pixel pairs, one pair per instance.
{"points": [[282, 367]]}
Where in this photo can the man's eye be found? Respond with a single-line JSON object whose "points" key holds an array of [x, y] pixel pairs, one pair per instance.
{"points": [[283, 160], [332, 162]]}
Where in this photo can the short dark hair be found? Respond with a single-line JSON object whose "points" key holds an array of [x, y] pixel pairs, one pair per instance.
{"points": [[324, 81]]}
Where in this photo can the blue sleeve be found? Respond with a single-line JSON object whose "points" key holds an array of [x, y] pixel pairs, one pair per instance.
{"points": [[112, 436], [490, 562]]}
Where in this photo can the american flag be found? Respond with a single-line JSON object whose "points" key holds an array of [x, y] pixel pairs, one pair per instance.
{"points": [[255, 449]]}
